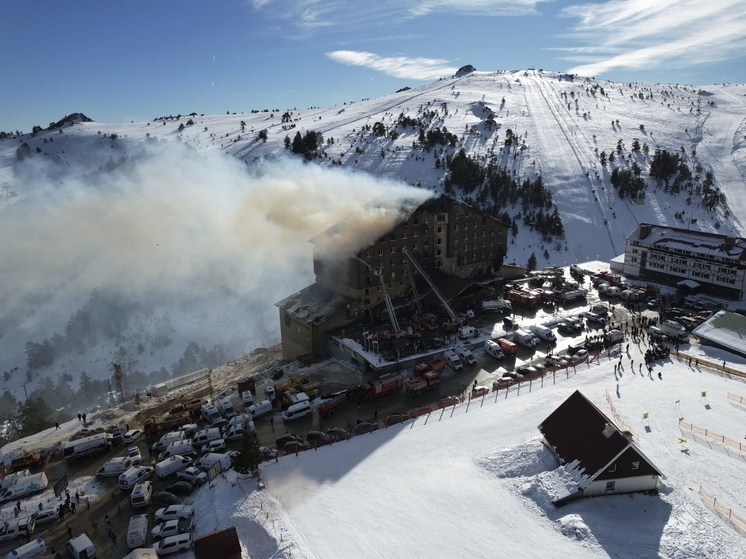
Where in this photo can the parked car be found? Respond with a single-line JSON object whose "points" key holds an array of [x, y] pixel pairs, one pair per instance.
{"points": [[447, 401], [594, 318], [594, 345], [267, 453], [504, 382], [132, 435], [654, 303], [174, 511], [181, 488], [293, 447], [579, 356], [45, 516], [134, 454], [214, 446], [192, 473], [286, 438], [556, 361], [395, 418], [165, 498], [337, 433], [173, 544], [366, 427], [318, 438]]}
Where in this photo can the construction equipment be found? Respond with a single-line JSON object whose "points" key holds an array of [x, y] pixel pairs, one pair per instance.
{"points": [[454, 322], [386, 296], [426, 381]]}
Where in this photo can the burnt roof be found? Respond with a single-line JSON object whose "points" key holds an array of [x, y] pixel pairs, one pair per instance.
{"points": [[576, 430]]}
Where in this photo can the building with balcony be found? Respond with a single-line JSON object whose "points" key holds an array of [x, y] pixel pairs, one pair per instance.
{"points": [[708, 262]]}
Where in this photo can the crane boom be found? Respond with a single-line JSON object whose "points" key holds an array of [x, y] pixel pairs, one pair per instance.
{"points": [[386, 296], [430, 282], [414, 287]]}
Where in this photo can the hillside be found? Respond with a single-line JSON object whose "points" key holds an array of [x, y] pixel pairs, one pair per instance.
{"points": [[149, 211]]}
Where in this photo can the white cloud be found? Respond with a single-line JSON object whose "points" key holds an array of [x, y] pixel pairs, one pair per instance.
{"points": [[314, 14], [397, 66], [639, 34]]}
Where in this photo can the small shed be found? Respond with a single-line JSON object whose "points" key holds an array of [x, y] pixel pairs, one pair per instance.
{"points": [[606, 460], [223, 544]]}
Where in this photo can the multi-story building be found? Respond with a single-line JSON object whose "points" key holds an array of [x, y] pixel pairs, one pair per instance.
{"points": [[443, 235], [715, 263]]}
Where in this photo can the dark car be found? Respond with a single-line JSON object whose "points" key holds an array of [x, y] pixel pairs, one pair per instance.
{"points": [[594, 345], [164, 499], [318, 438], [182, 488], [366, 427], [395, 418], [565, 328], [337, 433], [293, 447], [287, 438]]}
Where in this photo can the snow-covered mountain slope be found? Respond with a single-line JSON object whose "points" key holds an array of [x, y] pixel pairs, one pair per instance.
{"points": [[239, 224]]}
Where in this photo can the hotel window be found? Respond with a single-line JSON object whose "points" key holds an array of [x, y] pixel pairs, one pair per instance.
{"points": [[393, 250], [367, 254], [380, 252], [404, 236], [438, 241], [439, 252], [439, 229], [456, 227], [455, 216], [441, 217], [415, 234]]}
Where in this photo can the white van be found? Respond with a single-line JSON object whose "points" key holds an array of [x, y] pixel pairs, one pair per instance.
{"points": [[141, 494], [301, 409], [81, 547], [133, 476], [467, 332], [234, 433], [17, 528], [225, 408], [466, 355], [31, 550], [209, 413], [526, 339], [173, 544], [180, 448], [137, 531], [209, 460], [493, 349], [544, 333], [142, 553], [452, 360], [206, 436], [167, 439], [260, 409], [248, 398], [171, 465], [114, 467]]}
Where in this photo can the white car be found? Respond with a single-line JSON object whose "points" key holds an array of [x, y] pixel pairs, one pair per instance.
{"points": [[174, 511], [134, 453], [214, 446], [132, 435], [192, 474], [172, 528]]}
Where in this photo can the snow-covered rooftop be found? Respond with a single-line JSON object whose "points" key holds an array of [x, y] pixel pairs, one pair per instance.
{"points": [[690, 242], [724, 329]]}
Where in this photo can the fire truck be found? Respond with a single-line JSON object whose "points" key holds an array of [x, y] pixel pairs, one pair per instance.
{"points": [[426, 381], [375, 389]]}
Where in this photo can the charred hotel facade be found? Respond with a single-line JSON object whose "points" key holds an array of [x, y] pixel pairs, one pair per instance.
{"points": [[451, 242]]}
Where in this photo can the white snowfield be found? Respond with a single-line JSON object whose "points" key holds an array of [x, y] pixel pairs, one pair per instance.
{"points": [[480, 484]]}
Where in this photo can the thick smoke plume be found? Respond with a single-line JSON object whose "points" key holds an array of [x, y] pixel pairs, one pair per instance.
{"points": [[203, 233]]}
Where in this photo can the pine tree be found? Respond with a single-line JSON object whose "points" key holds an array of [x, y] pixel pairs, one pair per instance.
{"points": [[249, 457], [531, 264]]}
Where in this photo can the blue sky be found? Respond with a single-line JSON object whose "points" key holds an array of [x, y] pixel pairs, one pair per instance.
{"points": [[118, 61]]}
